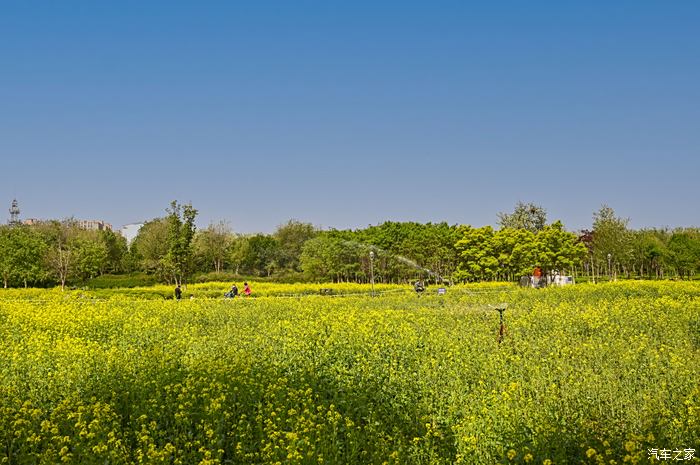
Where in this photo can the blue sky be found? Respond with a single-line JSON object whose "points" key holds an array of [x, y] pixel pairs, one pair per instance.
{"points": [[345, 114]]}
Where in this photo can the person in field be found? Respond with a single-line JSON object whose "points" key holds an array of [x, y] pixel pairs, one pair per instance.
{"points": [[178, 292], [536, 277], [233, 292], [246, 290], [419, 287]]}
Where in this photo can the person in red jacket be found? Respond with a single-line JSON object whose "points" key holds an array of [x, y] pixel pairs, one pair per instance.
{"points": [[246, 290], [536, 276]]}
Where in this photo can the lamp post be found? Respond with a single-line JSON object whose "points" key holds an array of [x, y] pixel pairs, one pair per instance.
{"points": [[609, 267], [371, 269]]}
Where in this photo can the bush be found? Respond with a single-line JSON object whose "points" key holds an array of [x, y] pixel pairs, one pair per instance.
{"points": [[110, 281]]}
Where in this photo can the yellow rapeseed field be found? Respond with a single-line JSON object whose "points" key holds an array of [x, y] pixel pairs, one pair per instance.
{"points": [[585, 374]]}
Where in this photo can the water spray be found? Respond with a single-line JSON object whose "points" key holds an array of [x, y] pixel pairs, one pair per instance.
{"points": [[400, 258]]}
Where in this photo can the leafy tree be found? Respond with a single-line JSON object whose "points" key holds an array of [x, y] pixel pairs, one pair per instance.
{"points": [[477, 253], [319, 258], [59, 255], [291, 237], [557, 249], [212, 245], [650, 251], [31, 248], [330, 257], [514, 249], [441, 255], [7, 260], [525, 216], [181, 230], [611, 240], [509, 253], [150, 246], [238, 252], [117, 250], [88, 255], [408, 250], [684, 248], [262, 255]]}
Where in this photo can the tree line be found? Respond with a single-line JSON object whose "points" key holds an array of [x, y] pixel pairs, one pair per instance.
{"points": [[58, 252], [171, 249]]}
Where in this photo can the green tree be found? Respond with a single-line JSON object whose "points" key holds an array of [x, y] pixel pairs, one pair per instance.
{"points": [[558, 250], [212, 246], [684, 248], [515, 252], [7, 259], [262, 255], [117, 250], [650, 252], [291, 237], [407, 250], [612, 245], [238, 252], [181, 230], [477, 252], [525, 216], [330, 257], [59, 254], [31, 248], [88, 255], [319, 258], [150, 246]]}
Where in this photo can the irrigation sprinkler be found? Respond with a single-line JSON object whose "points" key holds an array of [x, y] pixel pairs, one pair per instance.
{"points": [[371, 269], [501, 308]]}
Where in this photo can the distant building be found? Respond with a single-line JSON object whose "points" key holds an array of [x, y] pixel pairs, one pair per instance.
{"points": [[90, 225], [94, 225]]}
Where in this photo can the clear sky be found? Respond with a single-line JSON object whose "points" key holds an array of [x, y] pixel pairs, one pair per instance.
{"points": [[346, 114]]}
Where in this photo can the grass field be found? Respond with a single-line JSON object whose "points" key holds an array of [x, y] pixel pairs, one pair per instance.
{"points": [[585, 374]]}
